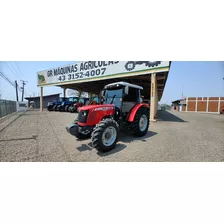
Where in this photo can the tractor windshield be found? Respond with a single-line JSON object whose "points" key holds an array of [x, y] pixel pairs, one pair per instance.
{"points": [[74, 100], [113, 96], [61, 99]]}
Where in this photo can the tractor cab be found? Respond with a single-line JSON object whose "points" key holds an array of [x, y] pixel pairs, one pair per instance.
{"points": [[123, 95]]}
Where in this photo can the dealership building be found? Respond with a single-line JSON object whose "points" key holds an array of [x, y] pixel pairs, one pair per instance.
{"points": [[92, 76]]}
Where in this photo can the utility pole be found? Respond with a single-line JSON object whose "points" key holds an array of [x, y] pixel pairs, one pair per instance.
{"points": [[17, 96], [23, 83]]}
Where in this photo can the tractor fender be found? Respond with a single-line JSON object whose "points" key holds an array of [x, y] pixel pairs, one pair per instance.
{"points": [[131, 115]]}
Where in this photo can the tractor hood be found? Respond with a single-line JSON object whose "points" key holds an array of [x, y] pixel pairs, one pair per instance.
{"points": [[97, 107]]}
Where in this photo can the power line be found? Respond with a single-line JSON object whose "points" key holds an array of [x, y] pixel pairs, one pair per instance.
{"points": [[14, 84], [19, 68], [7, 79], [12, 71], [15, 70]]}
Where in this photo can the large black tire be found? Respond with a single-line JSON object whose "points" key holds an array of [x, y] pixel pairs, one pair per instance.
{"points": [[100, 132], [142, 112], [55, 108], [49, 108], [130, 65], [66, 108]]}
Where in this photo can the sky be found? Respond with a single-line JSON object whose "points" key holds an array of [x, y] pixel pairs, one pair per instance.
{"points": [[187, 78]]}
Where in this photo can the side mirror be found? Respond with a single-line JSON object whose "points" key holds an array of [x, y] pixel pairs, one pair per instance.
{"points": [[126, 90]]}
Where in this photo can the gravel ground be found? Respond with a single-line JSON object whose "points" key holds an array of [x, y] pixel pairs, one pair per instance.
{"points": [[175, 137]]}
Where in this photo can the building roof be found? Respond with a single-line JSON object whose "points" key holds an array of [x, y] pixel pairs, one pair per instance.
{"points": [[178, 101], [37, 97]]}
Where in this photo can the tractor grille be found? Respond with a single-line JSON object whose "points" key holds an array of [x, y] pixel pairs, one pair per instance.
{"points": [[83, 116]]}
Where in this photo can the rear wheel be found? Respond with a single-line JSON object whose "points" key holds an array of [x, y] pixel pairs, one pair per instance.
{"points": [[105, 135], [66, 108], [140, 124]]}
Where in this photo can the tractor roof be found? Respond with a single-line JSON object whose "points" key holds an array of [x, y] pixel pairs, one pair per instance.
{"points": [[116, 84]]}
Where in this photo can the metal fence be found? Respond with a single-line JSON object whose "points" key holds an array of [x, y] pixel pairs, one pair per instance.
{"points": [[7, 107]]}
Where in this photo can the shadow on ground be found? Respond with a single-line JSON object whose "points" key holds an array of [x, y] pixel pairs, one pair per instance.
{"points": [[130, 138], [164, 115], [119, 147], [85, 147], [123, 138]]}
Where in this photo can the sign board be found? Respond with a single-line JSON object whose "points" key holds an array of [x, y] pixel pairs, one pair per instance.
{"points": [[92, 70]]}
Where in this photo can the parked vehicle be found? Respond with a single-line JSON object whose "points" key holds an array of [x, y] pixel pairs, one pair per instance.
{"points": [[86, 101], [64, 106], [81, 102], [121, 110], [52, 106]]}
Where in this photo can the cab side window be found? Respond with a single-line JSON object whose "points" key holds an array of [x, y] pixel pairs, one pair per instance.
{"points": [[133, 95], [81, 101]]}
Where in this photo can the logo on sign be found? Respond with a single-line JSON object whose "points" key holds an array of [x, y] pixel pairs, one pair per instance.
{"points": [[130, 65]]}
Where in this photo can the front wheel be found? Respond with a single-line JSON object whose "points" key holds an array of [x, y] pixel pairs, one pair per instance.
{"points": [[105, 135]]}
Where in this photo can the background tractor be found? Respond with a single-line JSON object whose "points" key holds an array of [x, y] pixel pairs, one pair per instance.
{"points": [[53, 106], [64, 106], [81, 102], [121, 109]]}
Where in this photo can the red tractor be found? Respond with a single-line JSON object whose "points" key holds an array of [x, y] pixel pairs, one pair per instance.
{"points": [[81, 102], [121, 109]]}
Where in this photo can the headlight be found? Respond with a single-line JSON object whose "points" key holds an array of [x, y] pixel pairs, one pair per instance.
{"points": [[84, 113]]}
